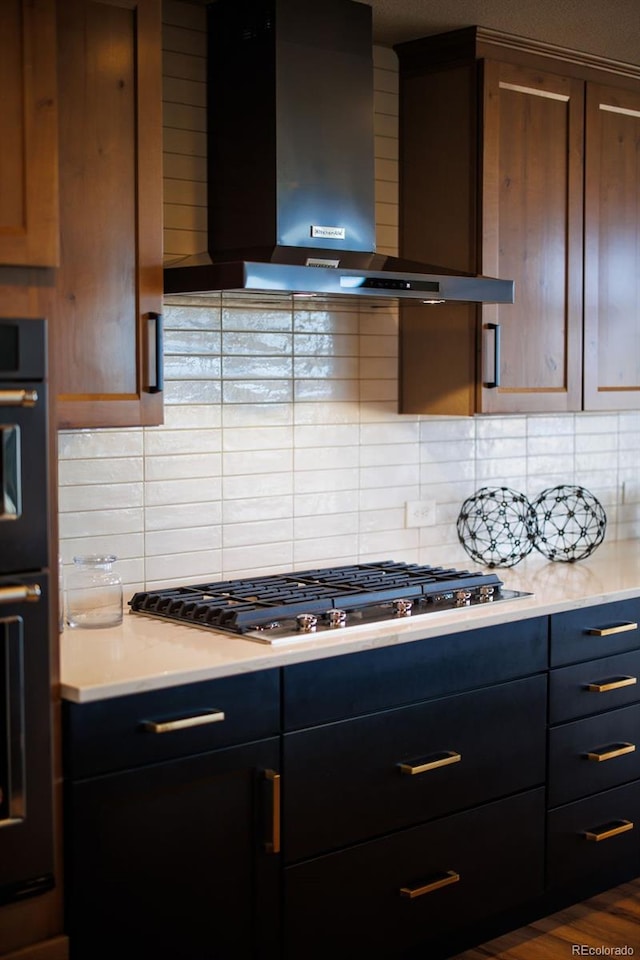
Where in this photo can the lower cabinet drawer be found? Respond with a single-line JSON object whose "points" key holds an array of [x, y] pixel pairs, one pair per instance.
{"points": [[597, 836], [377, 899], [595, 754], [586, 688], [358, 779]]}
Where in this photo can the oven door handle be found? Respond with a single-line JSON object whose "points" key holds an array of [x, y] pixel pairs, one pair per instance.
{"points": [[13, 799], [18, 398], [28, 593]]}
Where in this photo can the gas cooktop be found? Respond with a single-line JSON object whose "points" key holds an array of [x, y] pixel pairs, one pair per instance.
{"points": [[283, 608]]}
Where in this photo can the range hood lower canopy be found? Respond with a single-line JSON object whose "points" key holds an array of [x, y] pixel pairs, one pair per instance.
{"points": [[269, 277]]}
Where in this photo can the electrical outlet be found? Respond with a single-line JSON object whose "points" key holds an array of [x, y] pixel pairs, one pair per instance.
{"points": [[420, 513]]}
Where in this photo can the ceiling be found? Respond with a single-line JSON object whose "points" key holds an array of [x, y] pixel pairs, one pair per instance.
{"points": [[608, 28]]}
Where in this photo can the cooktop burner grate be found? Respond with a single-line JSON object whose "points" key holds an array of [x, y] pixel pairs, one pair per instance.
{"points": [[280, 607]]}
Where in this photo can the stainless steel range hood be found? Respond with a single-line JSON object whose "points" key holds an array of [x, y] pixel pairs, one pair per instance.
{"points": [[291, 203]]}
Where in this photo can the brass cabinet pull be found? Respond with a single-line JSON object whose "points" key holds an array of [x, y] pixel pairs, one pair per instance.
{"points": [[613, 683], [18, 398], [617, 628], [608, 830], [611, 751], [27, 592], [442, 759], [183, 723], [443, 880], [273, 844]]}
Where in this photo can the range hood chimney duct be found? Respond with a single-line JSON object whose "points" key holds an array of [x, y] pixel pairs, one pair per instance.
{"points": [[291, 180]]}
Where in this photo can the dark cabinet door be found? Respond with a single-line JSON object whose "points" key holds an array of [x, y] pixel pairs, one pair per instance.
{"points": [[176, 859]]}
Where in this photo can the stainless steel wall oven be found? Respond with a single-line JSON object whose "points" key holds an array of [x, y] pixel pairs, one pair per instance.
{"points": [[26, 832]]}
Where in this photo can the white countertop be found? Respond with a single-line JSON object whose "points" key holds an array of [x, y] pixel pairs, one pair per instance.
{"points": [[145, 653]]}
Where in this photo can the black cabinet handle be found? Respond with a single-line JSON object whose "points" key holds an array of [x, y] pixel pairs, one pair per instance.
{"points": [[156, 358], [492, 384]]}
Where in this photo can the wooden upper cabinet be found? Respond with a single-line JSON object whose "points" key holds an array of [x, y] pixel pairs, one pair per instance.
{"points": [[502, 176], [612, 249], [28, 132], [531, 227], [109, 286]]}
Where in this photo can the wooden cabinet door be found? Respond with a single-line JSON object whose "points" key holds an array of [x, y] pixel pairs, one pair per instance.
{"points": [[109, 286], [28, 105], [612, 250], [532, 233], [170, 860]]}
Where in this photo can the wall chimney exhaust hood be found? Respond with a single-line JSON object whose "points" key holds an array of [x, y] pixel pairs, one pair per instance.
{"points": [[291, 203]]}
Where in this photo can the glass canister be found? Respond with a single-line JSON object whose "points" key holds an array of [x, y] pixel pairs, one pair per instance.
{"points": [[94, 592]]}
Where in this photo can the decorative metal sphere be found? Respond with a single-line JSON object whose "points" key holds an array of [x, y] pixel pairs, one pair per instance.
{"points": [[571, 523], [497, 526]]}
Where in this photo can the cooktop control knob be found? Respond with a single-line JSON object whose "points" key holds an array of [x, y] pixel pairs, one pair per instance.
{"points": [[307, 622], [402, 608], [462, 597], [336, 618]]}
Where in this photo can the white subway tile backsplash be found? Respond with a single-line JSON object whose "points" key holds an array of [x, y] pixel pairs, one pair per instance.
{"points": [[325, 550], [114, 496], [165, 492], [252, 368], [323, 481], [203, 566], [93, 444], [313, 459], [246, 486], [257, 391], [325, 525], [159, 442], [324, 503], [325, 344], [257, 531], [94, 523], [192, 392], [329, 390], [254, 509], [183, 516], [100, 470], [183, 466], [159, 543], [379, 498], [258, 438], [258, 558]]}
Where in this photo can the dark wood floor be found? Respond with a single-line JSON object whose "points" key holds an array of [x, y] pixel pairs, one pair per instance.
{"points": [[609, 920]]}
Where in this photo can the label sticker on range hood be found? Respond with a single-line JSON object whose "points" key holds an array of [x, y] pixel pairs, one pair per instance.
{"points": [[329, 233]]}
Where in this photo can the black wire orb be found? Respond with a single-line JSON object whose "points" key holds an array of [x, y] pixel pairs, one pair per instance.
{"points": [[571, 523], [497, 526]]}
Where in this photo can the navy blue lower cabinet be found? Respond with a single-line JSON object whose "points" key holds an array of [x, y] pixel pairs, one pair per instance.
{"points": [[176, 857], [593, 823], [412, 888]]}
